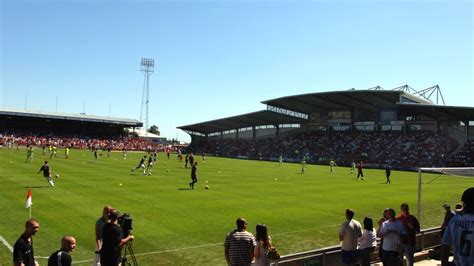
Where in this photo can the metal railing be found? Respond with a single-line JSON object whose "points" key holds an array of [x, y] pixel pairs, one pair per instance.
{"points": [[426, 239]]}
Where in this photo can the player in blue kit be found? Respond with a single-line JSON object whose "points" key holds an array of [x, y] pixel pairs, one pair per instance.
{"points": [[460, 233]]}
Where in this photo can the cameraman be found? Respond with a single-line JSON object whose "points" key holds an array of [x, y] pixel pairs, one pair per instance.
{"points": [[112, 240]]}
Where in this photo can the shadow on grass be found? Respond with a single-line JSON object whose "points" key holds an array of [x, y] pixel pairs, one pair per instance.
{"points": [[184, 188], [45, 186]]}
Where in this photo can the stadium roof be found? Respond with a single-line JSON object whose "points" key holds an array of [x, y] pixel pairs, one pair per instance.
{"points": [[258, 118], [141, 132], [294, 109], [369, 100], [461, 113], [71, 117]]}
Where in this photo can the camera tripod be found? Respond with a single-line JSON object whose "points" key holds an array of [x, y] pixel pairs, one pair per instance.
{"points": [[128, 248]]}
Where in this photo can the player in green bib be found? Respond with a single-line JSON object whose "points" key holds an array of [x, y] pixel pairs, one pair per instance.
{"points": [[303, 165], [29, 154], [332, 164]]}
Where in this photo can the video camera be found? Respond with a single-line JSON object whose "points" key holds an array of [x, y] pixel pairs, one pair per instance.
{"points": [[125, 222]]}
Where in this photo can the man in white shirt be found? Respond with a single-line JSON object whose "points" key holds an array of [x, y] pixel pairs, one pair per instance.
{"points": [[392, 232], [348, 235]]}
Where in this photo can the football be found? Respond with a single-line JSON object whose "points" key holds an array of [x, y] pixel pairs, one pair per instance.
{"points": [[57, 175], [207, 187]]}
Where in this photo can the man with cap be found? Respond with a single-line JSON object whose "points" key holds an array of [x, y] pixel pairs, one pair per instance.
{"points": [[447, 217], [460, 234]]}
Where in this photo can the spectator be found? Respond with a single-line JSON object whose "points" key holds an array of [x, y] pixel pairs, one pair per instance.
{"points": [[368, 241], [239, 245], [348, 234], [99, 224], [264, 242], [447, 217], [391, 231], [23, 252], [62, 257], [459, 234], [412, 227], [112, 240]]}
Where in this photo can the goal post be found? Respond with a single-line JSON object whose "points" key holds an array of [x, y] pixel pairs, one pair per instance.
{"points": [[439, 185]]}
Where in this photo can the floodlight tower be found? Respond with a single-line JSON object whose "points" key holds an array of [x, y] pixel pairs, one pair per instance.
{"points": [[146, 66]]}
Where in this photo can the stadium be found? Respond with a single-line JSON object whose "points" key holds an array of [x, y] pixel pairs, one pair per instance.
{"points": [[238, 157]]}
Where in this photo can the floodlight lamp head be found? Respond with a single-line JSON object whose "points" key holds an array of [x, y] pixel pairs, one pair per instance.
{"points": [[147, 64]]}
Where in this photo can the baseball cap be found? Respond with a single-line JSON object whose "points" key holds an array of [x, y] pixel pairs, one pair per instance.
{"points": [[446, 205]]}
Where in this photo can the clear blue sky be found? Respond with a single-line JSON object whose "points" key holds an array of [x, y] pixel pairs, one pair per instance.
{"points": [[221, 58]]}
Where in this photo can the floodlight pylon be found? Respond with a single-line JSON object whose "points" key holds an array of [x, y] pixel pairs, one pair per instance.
{"points": [[147, 67]]}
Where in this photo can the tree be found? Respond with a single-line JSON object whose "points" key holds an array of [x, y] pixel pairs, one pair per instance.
{"points": [[154, 130]]}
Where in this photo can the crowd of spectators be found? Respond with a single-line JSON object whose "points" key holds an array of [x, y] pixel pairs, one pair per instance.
{"points": [[465, 157], [118, 143], [420, 148]]}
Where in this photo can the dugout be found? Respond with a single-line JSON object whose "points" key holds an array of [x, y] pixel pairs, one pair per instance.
{"points": [[62, 124]]}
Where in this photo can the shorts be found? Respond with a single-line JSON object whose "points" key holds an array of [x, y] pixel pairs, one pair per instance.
{"points": [[348, 256]]}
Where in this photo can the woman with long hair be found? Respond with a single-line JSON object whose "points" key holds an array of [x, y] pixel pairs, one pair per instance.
{"points": [[368, 241], [264, 242]]}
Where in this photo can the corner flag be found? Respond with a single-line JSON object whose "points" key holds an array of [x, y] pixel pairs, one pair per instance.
{"points": [[28, 199]]}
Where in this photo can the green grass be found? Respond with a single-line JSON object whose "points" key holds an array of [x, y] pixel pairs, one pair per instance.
{"points": [[174, 225]]}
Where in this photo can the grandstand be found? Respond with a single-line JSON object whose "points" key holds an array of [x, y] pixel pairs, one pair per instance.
{"points": [[402, 126], [62, 124]]}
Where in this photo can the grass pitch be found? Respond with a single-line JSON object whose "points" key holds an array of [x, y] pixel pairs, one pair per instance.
{"points": [[177, 226]]}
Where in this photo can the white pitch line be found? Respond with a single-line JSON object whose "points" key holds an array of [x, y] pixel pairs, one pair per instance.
{"points": [[5, 242], [304, 230], [82, 261], [161, 251], [222, 243], [179, 249], [208, 245]]}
